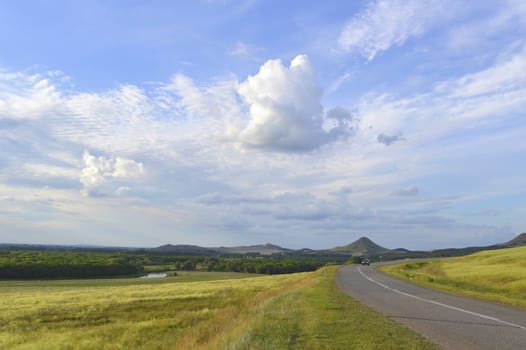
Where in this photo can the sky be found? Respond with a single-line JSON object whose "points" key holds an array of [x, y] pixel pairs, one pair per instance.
{"points": [[225, 123]]}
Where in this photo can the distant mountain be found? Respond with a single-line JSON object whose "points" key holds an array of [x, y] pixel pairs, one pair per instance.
{"points": [[362, 246], [262, 249], [518, 241], [401, 250], [184, 249]]}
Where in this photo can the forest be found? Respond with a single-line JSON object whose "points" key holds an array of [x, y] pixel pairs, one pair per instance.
{"points": [[57, 264], [52, 264]]}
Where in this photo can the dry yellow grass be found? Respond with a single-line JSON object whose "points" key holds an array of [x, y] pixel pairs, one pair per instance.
{"points": [[494, 275], [149, 316]]}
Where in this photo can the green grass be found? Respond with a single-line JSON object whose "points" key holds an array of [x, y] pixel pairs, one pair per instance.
{"points": [[194, 311], [493, 275], [317, 315]]}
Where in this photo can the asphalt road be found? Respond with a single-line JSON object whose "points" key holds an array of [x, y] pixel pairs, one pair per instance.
{"points": [[452, 322]]}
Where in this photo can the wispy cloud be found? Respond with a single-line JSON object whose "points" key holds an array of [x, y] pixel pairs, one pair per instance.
{"points": [[384, 24], [335, 85], [25, 96], [244, 50], [497, 91], [493, 26]]}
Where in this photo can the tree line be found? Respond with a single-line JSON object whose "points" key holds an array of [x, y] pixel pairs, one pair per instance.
{"points": [[261, 265], [25, 264], [52, 264]]}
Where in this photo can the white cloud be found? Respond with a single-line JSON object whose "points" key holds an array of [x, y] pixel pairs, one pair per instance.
{"points": [[118, 120], [50, 171], [97, 171], [283, 105], [122, 190], [496, 23], [243, 50], [25, 96], [498, 91], [387, 23], [338, 82], [127, 168], [509, 74], [285, 109], [215, 101]]}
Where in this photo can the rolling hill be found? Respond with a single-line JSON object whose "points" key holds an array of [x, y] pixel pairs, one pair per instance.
{"points": [[184, 249], [363, 246], [262, 249], [518, 241]]}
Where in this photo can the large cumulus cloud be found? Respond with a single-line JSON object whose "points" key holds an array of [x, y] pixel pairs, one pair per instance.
{"points": [[285, 109]]}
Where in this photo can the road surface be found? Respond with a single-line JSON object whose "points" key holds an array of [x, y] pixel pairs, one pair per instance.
{"points": [[452, 322]]}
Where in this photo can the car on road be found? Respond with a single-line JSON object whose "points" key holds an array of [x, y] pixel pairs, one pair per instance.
{"points": [[366, 262]]}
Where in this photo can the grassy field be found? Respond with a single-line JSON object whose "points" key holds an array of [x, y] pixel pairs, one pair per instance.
{"points": [[194, 311], [494, 275]]}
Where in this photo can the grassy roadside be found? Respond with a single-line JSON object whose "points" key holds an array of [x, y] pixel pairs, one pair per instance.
{"points": [[317, 315], [495, 275]]}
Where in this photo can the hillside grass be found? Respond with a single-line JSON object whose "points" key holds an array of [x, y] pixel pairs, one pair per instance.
{"points": [[493, 275], [295, 311]]}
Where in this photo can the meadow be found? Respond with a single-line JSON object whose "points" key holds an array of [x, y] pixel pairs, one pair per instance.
{"points": [[194, 311], [493, 275]]}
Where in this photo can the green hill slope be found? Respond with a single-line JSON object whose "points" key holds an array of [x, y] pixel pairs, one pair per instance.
{"points": [[494, 275]]}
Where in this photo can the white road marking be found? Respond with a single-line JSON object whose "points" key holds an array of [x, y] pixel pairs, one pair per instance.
{"points": [[440, 304]]}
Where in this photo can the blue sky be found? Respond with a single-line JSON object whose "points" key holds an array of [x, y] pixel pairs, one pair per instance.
{"points": [[243, 122]]}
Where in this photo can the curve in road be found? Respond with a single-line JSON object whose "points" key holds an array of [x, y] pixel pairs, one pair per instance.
{"points": [[452, 322]]}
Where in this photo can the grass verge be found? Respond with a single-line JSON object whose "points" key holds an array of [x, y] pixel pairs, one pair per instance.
{"points": [[317, 315], [493, 275]]}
